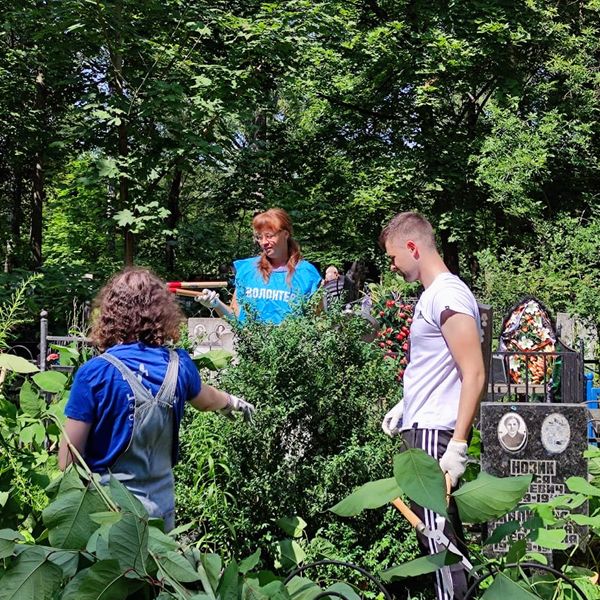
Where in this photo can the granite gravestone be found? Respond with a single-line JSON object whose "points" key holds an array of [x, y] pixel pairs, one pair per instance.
{"points": [[210, 334], [547, 440]]}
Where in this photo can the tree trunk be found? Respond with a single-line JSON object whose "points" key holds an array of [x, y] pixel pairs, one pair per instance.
{"points": [[38, 193], [173, 219], [450, 252], [16, 220]]}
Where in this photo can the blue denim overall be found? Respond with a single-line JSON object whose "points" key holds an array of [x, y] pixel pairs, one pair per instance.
{"points": [[145, 467]]}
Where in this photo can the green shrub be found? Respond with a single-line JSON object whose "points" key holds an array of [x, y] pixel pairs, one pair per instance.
{"points": [[320, 392]]}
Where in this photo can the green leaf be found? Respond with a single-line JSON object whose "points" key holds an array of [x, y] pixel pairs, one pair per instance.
{"points": [[103, 581], [8, 540], [293, 526], [51, 381], [345, 590], [4, 496], [31, 577], [370, 495], [490, 497], [107, 517], [68, 518], [503, 588], [159, 542], [420, 477], [301, 588], [30, 401], [585, 520], [250, 562], [290, 553], [128, 542], [177, 568], [420, 566], [549, 538], [229, 584], [16, 364], [125, 499], [212, 564], [582, 486], [213, 359], [502, 531]]}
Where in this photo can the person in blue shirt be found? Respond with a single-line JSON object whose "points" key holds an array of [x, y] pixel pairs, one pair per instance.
{"points": [[125, 406], [272, 284]]}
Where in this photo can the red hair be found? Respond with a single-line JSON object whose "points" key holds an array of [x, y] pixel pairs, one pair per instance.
{"points": [[276, 219]]}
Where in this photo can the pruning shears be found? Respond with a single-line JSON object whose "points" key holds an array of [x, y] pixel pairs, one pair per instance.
{"points": [[193, 288], [438, 536]]}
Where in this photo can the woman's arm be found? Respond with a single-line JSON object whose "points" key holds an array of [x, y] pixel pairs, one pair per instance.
{"points": [[210, 398], [211, 299], [76, 433]]}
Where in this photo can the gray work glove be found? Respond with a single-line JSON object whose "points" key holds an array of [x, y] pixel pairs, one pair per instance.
{"points": [[392, 422], [208, 298], [454, 461], [237, 404]]}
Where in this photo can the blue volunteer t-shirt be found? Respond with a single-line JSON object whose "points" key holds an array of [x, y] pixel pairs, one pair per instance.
{"points": [[273, 300], [102, 397]]}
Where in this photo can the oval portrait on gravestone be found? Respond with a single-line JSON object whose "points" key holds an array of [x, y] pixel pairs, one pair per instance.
{"points": [[556, 433], [512, 432]]}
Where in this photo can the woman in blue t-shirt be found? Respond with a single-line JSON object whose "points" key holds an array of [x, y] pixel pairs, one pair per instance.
{"points": [[272, 284], [125, 406]]}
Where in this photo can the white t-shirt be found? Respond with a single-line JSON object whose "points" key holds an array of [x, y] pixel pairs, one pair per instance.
{"points": [[431, 381]]}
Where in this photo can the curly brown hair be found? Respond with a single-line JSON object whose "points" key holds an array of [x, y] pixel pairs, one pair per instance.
{"points": [[135, 305]]}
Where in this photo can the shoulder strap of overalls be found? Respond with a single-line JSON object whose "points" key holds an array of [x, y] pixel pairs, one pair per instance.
{"points": [[169, 384]]}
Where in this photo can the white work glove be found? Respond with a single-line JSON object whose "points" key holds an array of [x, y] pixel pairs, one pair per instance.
{"points": [[208, 298], [237, 404], [393, 419], [454, 461]]}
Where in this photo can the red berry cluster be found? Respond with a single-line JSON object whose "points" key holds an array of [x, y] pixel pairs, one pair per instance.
{"points": [[395, 318]]}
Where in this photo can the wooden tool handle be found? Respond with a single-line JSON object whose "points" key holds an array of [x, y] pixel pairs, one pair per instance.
{"points": [[408, 514], [191, 285], [191, 293]]}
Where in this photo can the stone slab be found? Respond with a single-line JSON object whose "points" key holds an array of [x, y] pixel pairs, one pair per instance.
{"points": [[547, 439], [210, 334]]}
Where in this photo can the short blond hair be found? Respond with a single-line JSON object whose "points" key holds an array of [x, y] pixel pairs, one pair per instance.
{"points": [[408, 225]]}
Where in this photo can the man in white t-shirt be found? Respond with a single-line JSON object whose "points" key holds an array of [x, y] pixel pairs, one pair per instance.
{"points": [[444, 379]]}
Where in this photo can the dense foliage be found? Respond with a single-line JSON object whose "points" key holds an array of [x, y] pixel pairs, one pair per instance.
{"points": [[320, 393], [153, 134]]}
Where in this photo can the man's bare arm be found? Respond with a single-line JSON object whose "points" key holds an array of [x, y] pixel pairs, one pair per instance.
{"points": [[75, 432]]}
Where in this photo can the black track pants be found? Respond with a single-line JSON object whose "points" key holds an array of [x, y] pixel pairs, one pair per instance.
{"points": [[435, 442]]}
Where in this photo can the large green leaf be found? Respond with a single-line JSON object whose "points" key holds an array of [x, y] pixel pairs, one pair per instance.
{"points": [[344, 589], [103, 581], [420, 566], [30, 401], [293, 526], [176, 567], [16, 364], [68, 517], [549, 538], [301, 588], [250, 562], [160, 542], [502, 531], [212, 565], [31, 577], [213, 359], [125, 499], [8, 539], [128, 542], [490, 497], [582, 486], [51, 381], [290, 554], [229, 584], [420, 477], [370, 495], [503, 588]]}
